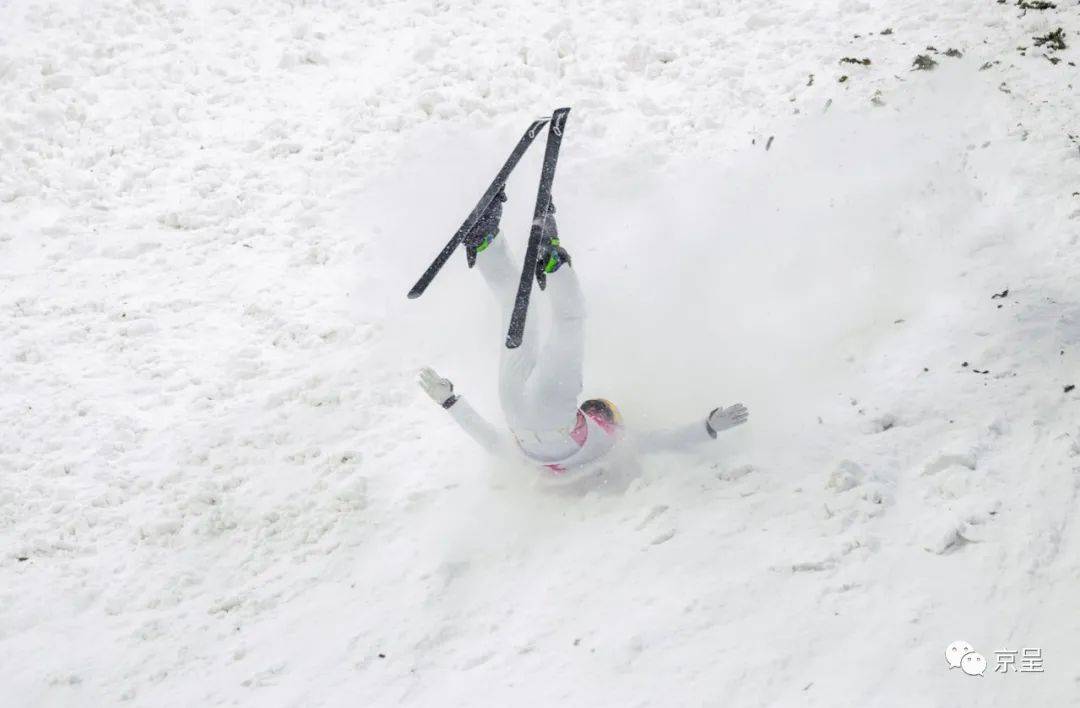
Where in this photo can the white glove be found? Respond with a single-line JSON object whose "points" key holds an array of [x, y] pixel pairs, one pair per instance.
{"points": [[724, 418], [441, 390]]}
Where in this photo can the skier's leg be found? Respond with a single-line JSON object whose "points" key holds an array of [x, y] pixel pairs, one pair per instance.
{"points": [[515, 365], [556, 381], [500, 273]]}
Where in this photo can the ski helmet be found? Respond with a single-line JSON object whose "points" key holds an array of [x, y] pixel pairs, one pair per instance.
{"points": [[604, 412]]}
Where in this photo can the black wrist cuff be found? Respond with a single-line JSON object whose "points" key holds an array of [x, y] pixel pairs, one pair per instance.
{"points": [[709, 428], [453, 399]]}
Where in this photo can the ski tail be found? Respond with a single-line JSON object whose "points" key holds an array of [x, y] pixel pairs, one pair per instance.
{"points": [[474, 216], [543, 198]]}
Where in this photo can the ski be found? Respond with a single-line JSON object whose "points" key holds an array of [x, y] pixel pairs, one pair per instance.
{"points": [[539, 225], [474, 216]]}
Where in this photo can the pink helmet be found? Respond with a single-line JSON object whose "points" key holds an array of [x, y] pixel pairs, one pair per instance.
{"points": [[603, 412]]}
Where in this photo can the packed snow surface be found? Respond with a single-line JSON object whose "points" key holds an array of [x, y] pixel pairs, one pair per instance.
{"points": [[220, 484]]}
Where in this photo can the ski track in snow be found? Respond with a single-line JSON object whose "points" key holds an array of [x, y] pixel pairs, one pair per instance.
{"points": [[219, 484]]}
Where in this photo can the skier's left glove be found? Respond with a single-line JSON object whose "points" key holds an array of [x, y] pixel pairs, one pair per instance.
{"points": [[441, 390], [724, 418]]}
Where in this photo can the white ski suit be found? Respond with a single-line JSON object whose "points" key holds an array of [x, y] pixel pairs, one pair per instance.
{"points": [[539, 388]]}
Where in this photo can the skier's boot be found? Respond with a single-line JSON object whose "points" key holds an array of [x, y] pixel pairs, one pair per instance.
{"points": [[551, 255], [486, 229]]}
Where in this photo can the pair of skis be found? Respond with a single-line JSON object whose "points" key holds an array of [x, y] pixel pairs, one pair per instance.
{"points": [[556, 126]]}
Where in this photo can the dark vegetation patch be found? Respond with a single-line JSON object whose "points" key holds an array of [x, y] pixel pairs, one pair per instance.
{"points": [[923, 62], [1052, 40]]}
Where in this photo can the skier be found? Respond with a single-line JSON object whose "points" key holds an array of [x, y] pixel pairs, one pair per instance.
{"points": [[539, 388]]}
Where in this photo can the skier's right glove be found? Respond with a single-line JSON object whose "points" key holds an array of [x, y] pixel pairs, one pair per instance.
{"points": [[724, 418], [441, 390]]}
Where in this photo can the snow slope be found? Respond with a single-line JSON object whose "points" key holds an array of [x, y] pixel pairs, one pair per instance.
{"points": [[219, 483]]}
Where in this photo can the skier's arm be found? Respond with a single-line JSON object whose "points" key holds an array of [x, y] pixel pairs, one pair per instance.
{"points": [[683, 437], [484, 433]]}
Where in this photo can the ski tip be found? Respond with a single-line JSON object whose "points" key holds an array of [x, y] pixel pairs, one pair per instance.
{"points": [[558, 120], [512, 343], [414, 293]]}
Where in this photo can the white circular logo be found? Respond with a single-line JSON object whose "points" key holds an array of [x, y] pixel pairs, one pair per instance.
{"points": [[954, 653], [973, 663]]}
